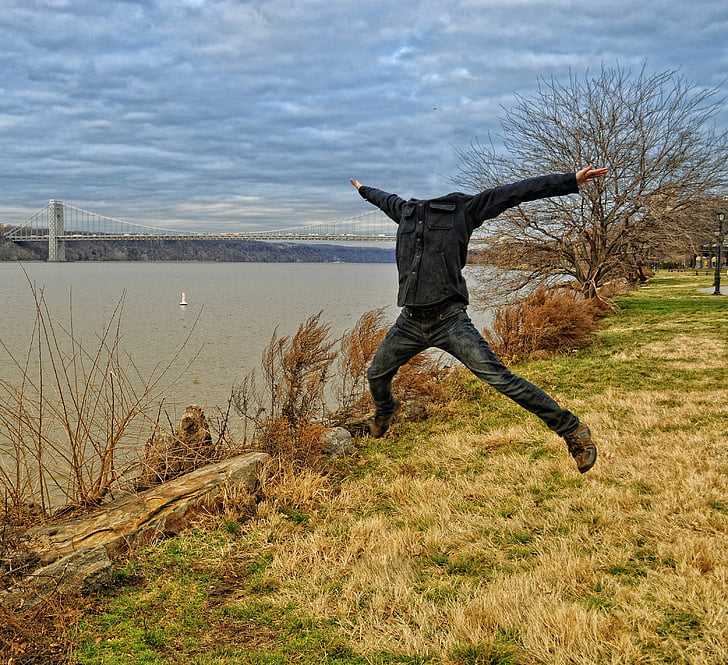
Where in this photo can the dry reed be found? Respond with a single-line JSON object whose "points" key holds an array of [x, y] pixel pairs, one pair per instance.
{"points": [[286, 409], [73, 411]]}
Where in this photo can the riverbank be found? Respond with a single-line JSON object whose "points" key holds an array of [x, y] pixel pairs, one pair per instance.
{"points": [[470, 537], [241, 251]]}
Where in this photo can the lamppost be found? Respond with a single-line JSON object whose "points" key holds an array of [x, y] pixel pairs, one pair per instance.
{"points": [[719, 233]]}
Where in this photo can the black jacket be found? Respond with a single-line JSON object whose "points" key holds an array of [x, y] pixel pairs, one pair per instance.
{"points": [[433, 234]]}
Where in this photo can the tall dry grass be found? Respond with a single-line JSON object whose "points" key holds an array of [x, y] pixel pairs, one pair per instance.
{"points": [[489, 547]]}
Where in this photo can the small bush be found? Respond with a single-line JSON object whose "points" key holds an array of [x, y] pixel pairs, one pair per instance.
{"points": [[547, 321], [421, 379], [616, 287], [356, 351], [286, 412]]}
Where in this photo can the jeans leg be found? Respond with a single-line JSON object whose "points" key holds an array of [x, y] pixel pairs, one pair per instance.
{"points": [[464, 341], [399, 345]]}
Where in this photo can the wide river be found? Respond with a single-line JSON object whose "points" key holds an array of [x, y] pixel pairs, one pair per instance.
{"points": [[240, 305]]}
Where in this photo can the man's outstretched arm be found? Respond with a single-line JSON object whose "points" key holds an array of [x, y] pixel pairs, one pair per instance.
{"points": [[492, 202], [389, 204]]}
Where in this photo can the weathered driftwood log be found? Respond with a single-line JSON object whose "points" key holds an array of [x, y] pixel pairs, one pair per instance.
{"points": [[73, 551], [84, 571], [160, 509]]}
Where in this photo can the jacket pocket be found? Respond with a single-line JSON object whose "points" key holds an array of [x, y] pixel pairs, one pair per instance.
{"points": [[441, 215], [409, 219]]}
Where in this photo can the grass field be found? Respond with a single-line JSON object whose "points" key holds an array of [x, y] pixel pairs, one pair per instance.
{"points": [[471, 537]]}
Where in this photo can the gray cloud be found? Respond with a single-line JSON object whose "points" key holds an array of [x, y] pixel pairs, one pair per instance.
{"points": [[232, 114]]}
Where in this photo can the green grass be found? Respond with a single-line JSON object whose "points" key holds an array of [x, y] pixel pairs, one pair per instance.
{"points": [[681, 625], [504, 649], [206, 618], [470, 537]]}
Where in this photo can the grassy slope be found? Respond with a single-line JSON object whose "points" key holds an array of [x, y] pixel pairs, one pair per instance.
{"points": [[471, 538]]}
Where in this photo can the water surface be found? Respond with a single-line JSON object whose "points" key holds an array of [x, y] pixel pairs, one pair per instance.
{"points": [[240, 304]]}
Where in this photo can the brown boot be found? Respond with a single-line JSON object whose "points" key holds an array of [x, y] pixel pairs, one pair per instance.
{"points": [[378, 425], [581, 447], [372, 425]]}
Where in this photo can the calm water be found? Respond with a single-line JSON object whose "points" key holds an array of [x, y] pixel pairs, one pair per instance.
{"points": [[241, 305]]}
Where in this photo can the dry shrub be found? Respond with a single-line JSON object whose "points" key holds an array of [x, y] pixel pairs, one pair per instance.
{"points": [[67, 422], [286, 412], [611, 289], [356, 351], [421, 380], [299, 444], [546, 321]]}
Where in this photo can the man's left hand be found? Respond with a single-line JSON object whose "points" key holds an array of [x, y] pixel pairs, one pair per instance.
{"points": [[589, 173]]}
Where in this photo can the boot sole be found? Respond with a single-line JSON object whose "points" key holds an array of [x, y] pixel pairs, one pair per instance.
{"points": [[592, 461]]}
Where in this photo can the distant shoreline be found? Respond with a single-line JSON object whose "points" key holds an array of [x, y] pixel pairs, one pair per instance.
{"points": [[211, 251]]}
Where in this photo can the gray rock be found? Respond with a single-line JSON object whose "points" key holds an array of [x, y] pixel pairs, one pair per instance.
{"points": [[338, 442]]}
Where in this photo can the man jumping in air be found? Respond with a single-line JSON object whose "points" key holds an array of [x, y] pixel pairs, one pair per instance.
{"points": [[432, 248]]}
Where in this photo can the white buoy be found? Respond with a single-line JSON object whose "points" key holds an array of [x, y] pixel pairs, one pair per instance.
{"points": [[183, 299]]}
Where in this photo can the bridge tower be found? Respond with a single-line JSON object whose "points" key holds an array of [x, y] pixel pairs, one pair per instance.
{"points": [[56, 247]]}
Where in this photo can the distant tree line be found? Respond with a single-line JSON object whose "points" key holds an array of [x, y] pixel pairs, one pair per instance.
{"points": [[197, 250]]}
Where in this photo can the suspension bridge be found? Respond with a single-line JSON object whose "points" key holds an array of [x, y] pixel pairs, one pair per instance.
{"points": [[59, 223]]}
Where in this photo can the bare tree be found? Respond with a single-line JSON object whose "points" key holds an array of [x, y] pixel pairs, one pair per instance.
{"points": [[697, 230], [655, 133]]}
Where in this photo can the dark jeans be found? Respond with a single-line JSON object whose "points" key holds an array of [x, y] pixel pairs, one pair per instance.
{"points": [[454, 332]]}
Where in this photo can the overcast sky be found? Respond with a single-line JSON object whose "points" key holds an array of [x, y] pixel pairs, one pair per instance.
{"points": [[225, 114]]}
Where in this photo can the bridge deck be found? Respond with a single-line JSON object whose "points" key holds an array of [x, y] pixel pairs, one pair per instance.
{"points": [[207, 236]]}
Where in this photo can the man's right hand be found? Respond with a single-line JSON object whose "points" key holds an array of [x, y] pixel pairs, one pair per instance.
{"points": [[355, 184], [589, 173]]}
